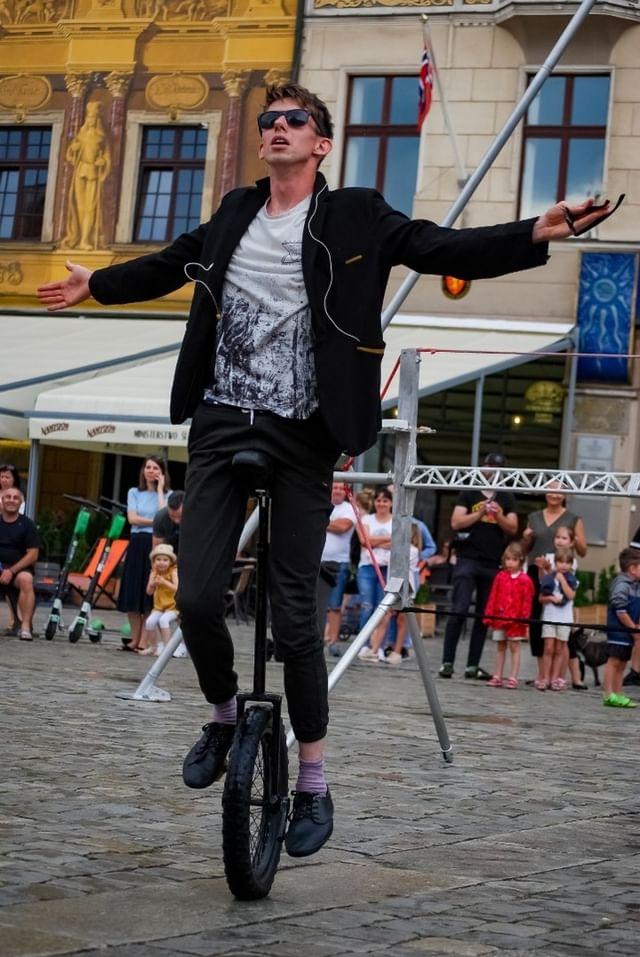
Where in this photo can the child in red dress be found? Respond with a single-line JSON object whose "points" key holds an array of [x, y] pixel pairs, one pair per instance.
{"points": [[511, 597]]}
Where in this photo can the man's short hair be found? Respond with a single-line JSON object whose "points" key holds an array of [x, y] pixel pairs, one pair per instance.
{"points": [[175, 500], [629, 557], [496, 459], [307, 100]]}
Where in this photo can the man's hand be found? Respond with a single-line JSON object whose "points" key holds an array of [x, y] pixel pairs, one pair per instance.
{"points": [[555, 223], [68, 292], [6, 576]]}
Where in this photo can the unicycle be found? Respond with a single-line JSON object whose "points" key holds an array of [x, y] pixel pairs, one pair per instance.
{"points": [[255, 801]]}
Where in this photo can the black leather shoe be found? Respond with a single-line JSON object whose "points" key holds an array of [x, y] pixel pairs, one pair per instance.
{"points": [[206, 761], [310, 823]]}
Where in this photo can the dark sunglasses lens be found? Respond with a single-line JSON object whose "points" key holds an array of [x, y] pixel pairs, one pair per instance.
{"points": [[295, 118], [266, 121]]}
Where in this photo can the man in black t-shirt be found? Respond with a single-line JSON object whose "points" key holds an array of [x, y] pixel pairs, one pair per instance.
{"points": [[483, 521], [166, 524], [19, 547]]}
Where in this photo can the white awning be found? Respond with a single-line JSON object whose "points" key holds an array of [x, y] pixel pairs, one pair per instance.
{"points": [[473, 340], [39, 351], [119, 412], [128, 410]]}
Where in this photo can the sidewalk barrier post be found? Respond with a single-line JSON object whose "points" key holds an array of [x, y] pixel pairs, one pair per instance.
{"points": [[147, 690]]}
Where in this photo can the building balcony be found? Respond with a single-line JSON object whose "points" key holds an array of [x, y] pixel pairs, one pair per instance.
{"points": [[468, 10]]}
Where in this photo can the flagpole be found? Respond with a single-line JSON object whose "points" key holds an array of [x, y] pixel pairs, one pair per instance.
{"points": [[428, 42], [501, 139]]}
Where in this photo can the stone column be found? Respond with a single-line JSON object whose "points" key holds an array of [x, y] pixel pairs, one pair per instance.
{"points": [[77, 85], [118, 85], [235, 83]]}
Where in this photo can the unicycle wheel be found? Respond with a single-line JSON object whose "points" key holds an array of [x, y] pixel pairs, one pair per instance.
{"points": [[253, 817]]}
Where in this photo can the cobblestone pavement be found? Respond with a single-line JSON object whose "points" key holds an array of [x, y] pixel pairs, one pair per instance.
{"points": [[528, 843]]}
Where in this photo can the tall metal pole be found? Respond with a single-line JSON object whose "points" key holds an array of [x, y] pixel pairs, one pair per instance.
{"points": [[33, 479], [444, 105], [501, 139], [477, 421], [569, 403]]}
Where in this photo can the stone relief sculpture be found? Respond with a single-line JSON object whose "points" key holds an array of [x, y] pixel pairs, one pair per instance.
{"points": [[35, 11], [90, 157], [189, 10]]}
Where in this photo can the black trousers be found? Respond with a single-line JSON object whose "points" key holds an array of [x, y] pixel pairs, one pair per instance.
{"points": [[303, 455], [469, 575]]}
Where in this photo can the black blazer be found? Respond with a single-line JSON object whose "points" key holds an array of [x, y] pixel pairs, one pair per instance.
{"points": [[351, 241]]}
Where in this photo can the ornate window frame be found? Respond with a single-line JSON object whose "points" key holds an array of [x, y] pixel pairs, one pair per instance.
{"points": [[54, 119], [526, 72], [136, 120]]}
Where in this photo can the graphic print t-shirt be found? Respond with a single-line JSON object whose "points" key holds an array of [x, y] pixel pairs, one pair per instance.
{"points": [[264, 347], [484, 541]]}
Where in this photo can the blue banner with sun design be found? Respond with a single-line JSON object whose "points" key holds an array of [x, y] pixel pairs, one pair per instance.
{"points": [[606, 314]]}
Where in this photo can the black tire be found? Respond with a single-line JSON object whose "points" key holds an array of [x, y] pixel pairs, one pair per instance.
{"points": [[253, 820], [76, 632], [50, 630]]}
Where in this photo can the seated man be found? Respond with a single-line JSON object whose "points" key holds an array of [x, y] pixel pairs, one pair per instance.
{"points": [[166, 524], [19, 547]]}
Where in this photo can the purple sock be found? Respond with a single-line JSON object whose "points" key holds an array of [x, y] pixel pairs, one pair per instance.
{"points": [[311, 777], [227, 712]]}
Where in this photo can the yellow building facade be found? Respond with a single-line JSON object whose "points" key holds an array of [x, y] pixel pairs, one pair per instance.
{"points": [[95, 75], [122, 123]]}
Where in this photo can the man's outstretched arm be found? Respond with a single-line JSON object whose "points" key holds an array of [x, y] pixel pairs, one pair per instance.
{"points": [[147, 277], [562, 221], [480, 252], [66, 292]]}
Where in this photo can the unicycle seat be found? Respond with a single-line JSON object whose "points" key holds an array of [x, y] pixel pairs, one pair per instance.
{"points": [[253, 470]]}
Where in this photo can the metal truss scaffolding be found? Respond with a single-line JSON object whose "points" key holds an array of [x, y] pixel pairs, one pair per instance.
{"points": [[524, 481]]}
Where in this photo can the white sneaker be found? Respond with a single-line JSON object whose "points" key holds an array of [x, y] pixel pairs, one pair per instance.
{"points": [[181, 651], [381, 656], [366, 654], [393, 658]]}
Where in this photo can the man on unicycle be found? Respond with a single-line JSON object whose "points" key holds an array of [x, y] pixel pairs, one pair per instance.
{"points": [[282, 355]]}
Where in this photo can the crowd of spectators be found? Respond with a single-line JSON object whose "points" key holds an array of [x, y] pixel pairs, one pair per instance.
{"points": [[513, 589], [513, 585]]}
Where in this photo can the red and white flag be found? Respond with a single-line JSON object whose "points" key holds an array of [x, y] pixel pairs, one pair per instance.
{"points": [[425, 85]]}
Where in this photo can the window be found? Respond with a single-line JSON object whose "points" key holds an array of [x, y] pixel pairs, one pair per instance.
{"points": [[171, 178], [24, 160], [564, 142], [381, 138]]}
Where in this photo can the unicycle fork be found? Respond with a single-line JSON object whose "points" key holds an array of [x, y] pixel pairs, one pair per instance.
{"points": [[255, 800]]}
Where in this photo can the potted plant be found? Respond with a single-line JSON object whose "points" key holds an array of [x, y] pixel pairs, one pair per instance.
{"points": [[592, 597]]}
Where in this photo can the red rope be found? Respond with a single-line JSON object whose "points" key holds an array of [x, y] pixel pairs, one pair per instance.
{"points": [[365, 536]]}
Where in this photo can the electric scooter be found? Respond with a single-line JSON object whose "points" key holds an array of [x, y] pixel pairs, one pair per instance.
{"points": [[55, 622], [82, 619]]}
